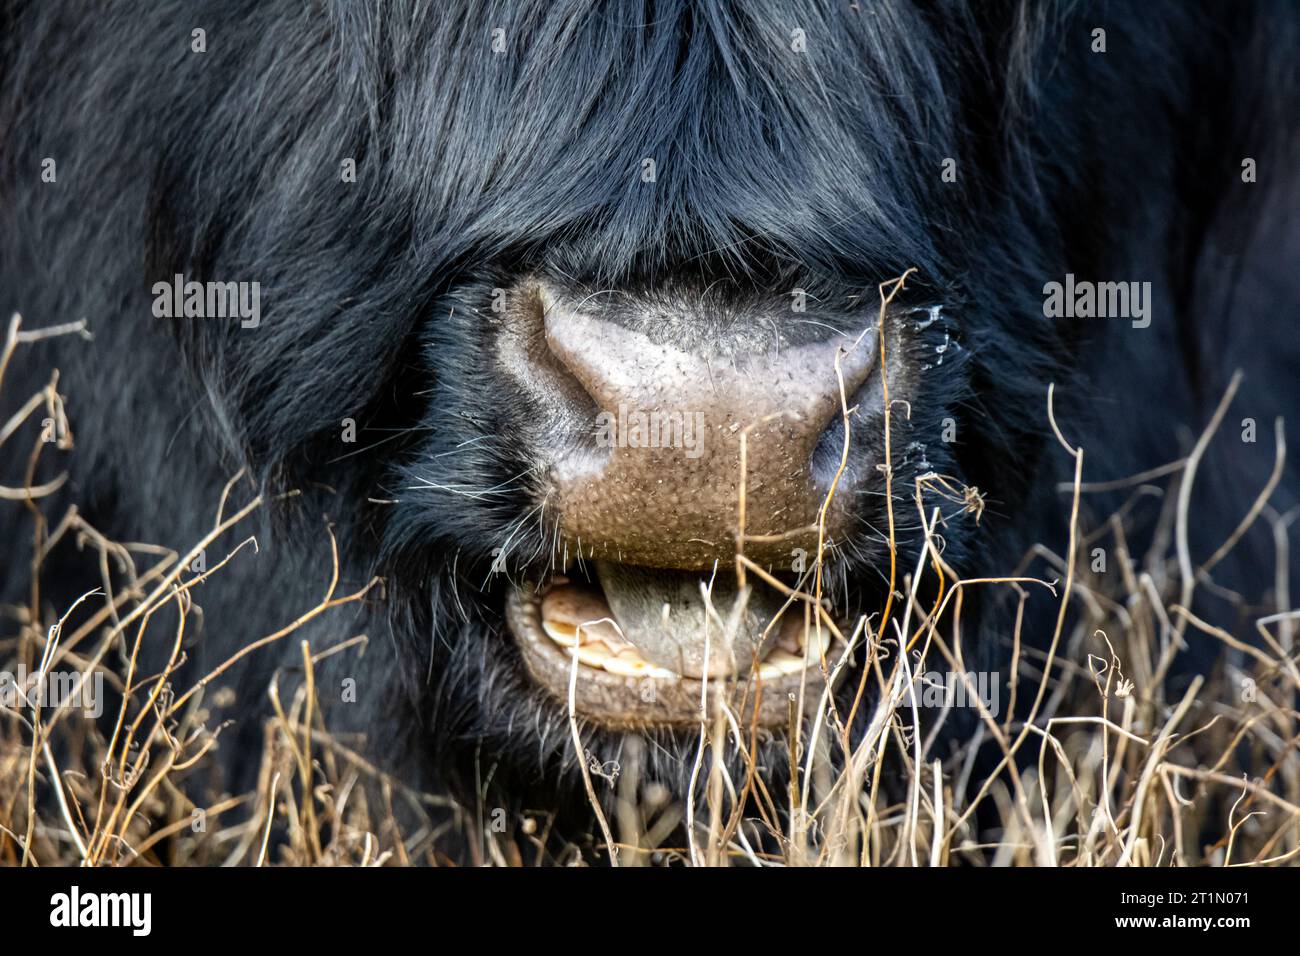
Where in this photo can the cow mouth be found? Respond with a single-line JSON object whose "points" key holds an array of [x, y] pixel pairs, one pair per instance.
{"points": [[632, 647]]}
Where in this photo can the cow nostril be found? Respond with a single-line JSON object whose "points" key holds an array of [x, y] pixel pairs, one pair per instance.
{"points": [[574, 344], [561, 406]]}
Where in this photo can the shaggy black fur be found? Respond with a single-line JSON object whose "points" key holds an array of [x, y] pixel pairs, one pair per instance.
{"points": [[775, 169]]}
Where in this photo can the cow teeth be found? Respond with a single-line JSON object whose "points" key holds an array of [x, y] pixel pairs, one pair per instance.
{"points": [[593, 654], [818, 642], [577, 618], [769, 671], [629, 664], [609, 638], [562, 634], [569, 635], [571, 610], [783, 663], [624, 666]]}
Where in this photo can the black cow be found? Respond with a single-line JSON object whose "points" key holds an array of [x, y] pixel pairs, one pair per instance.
{"points": [[496, 290]]}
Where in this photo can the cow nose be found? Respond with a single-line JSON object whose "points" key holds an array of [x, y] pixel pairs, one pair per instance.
{"points": [[658, 481]]}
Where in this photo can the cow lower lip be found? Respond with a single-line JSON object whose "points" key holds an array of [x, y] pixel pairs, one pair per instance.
{"points": [[645, 695]]}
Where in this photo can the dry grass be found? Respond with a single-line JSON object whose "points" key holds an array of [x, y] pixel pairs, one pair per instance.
{"points": [[1107, 769]]}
